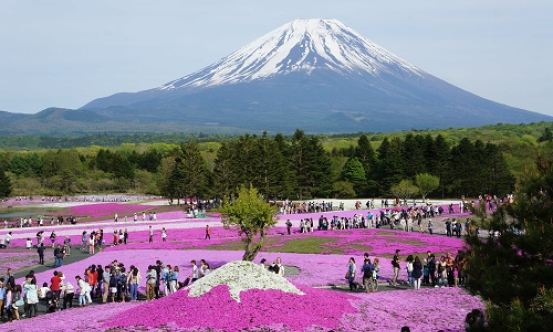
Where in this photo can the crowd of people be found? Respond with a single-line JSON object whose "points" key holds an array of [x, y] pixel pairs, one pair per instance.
{"points": [[101, 284], [431, 271]]}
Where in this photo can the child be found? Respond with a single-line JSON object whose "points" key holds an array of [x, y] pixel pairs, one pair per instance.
{"points": [[163, 235], [426, 274], [29, 243]]}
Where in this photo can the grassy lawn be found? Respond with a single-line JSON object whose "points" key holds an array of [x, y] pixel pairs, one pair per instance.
{"points": [[279, 243]]}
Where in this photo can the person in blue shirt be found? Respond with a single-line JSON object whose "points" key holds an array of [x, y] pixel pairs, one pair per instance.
{"points": [[368, 270]]}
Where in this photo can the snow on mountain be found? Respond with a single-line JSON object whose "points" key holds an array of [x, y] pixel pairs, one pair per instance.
{"points": [[302, 45]]}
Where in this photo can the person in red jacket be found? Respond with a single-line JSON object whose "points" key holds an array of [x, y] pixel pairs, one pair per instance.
{"points": [[55, 284]]}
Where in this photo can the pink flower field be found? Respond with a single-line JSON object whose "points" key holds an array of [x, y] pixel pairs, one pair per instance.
{"points": [[17, 259], [322, 308]]}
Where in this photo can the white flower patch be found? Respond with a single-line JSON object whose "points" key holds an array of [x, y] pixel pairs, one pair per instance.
{"points": [[240, 276]]}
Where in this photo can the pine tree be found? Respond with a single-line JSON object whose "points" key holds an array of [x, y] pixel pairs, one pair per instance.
{"points": [[390, 163], [354, 173], [512, 270], [5, 185], [224, 174], [195, 171]]}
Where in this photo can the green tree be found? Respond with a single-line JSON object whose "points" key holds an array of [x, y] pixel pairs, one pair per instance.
{"points": [[364, 152], [404, 189], [547, 136], [311, 165], [343, 189], [269, 167], [224, 174], [251, 216], [390, 163], [5, 185], [513, 268], [194, 171], [354, 173], [426, 183], [413, 155]]}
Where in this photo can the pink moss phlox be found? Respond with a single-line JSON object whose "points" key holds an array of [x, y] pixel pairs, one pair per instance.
{"points": [[257, 308]]}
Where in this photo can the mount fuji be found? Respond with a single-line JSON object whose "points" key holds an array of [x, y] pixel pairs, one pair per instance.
{"points": [[314, 74]]}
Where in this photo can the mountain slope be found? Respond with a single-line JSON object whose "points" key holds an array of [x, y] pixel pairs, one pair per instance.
{"points": [[315, 74]]}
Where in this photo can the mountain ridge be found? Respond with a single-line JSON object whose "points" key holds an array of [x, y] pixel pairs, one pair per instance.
{"points": [[314, 74]]}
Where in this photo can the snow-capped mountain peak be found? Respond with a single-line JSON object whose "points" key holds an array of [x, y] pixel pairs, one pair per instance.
{"points": [[301, 45]]}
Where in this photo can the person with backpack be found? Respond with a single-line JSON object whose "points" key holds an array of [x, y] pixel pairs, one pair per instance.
{"points": [[368, 270]]}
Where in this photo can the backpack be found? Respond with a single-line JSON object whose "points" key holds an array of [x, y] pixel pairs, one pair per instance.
{"points": [[113, 281], [368, 273]]}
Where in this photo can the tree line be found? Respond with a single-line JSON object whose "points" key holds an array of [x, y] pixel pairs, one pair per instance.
{"points": [[295, 167]]}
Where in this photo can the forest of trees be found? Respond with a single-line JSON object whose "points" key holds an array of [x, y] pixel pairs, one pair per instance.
{"points": [[295, 167]]}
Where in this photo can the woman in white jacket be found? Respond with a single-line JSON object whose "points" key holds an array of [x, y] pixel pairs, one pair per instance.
{"points": [[31, 293]]}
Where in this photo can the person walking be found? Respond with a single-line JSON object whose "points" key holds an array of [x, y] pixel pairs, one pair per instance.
{"points": [[40, 251], [67, 245], [395, 264], [368, 270], [84, 240], [409, 265], [417, 272], [350, 274], [163, 235], [288, 226], [207, 232], [430, 226], [151, 238], [53, 239], [82, 291], [57, 256]]}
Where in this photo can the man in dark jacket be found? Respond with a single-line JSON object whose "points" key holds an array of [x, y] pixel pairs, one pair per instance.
{"points": [[40, 251]]}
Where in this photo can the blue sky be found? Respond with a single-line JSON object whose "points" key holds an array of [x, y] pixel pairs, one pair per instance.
{"points": [[65, 53]]}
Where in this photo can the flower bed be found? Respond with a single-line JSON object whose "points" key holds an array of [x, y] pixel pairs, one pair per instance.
{"points": [[108, 209], [271, 310], [258, 308], [17, 259]]}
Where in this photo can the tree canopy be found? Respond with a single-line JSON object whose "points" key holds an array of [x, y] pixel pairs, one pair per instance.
{"points": [[512, 269], [251, 216], [426, 183]]}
